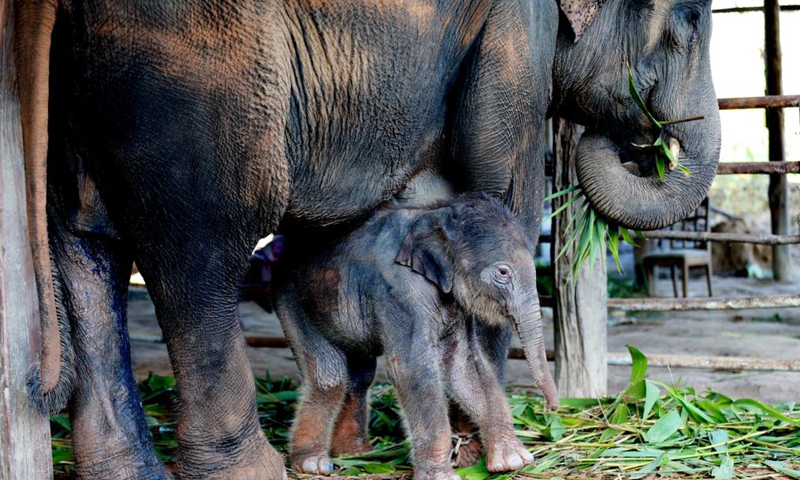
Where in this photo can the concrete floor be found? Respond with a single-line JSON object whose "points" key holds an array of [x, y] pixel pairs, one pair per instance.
{"points": [[757, 333]]}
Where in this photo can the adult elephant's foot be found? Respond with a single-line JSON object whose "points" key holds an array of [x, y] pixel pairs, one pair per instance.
{"points": [[312, 463], [506, 454], [253, 460], [124, 466]]}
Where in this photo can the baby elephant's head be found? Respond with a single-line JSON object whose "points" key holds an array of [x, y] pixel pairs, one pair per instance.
{"points": [[474, 249]]}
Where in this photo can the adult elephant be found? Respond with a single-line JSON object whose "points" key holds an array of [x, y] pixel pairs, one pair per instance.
{"points": [[180, 132]]}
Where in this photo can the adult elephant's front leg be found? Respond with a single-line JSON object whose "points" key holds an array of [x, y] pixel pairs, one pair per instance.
{"points": [[218, 429], [499, 139]]}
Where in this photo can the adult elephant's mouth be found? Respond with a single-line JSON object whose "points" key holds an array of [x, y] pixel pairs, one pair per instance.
{"points": [[640, 159], [620, 180]]}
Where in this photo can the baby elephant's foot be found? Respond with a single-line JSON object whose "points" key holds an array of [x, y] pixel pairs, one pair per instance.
{"points": [[507, 454], [313, 463], [349, 446], [438, 474]]}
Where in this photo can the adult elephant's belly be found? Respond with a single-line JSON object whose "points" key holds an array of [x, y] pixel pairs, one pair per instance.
{"points": [[359, 172]]}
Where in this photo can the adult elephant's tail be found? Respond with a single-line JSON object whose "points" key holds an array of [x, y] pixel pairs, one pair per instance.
{"points": [[34, 24]]}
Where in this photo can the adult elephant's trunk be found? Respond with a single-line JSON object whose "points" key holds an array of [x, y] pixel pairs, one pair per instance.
{"points": [[529, 327], [647, 202]]}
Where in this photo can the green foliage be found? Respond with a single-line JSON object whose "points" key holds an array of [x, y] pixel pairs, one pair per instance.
{"points": [[650, 428], [588, 232]]}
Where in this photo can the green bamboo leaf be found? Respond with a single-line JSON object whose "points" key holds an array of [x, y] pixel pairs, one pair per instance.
{"points": [[620, 415], [598, 243], [584, 244], [638, 98], [780, 467], [575, 233], [697, 414], [608, 434], [626, 235], [755, 404], [719, 439], [664, 428], [62, 421], [650, 467], [613, 245], [474, 472], [683, 169], [652, 395], [725, 470], [379, 468], [563, 192], [660, 166], [638, 365], [563, 207]]}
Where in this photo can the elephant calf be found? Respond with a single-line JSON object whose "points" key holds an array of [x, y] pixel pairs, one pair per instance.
{"points": [[341, 305]]}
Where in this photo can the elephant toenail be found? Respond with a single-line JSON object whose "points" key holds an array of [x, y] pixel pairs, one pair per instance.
{"points": [[527, 456], [310, 465], [515, 461]]}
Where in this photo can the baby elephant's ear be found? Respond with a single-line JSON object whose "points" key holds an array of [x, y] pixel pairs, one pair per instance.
{"points": [[427, 247]]}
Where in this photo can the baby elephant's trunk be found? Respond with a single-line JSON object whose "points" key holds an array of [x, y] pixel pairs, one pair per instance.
{"points": [[529, 327]]}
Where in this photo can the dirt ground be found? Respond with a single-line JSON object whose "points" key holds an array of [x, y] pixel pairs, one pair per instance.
{"points": [[756, 333]]}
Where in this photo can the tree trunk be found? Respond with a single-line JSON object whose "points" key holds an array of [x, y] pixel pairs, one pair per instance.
{"points": [[24, 425], [580, 303]]}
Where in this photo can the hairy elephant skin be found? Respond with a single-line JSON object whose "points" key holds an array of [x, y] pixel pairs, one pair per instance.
{"points": [[176, 133], [410, 284]]}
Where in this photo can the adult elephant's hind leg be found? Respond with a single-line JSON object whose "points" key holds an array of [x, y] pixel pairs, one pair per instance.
{"points": [[109, 432]]}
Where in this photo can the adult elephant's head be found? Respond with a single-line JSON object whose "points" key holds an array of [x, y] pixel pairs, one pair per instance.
{"points": [[666, 43]]}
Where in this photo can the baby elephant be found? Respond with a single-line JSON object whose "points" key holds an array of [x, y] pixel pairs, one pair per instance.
{"points": [[341, 305]]}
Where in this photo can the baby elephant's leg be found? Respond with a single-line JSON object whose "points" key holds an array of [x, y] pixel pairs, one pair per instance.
{"points": [[415, 371], [324, 373], [475, 387], [350, 434]]}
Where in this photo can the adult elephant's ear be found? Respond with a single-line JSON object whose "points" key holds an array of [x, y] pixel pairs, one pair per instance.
{"points": [[427, 247], [581, 14]]}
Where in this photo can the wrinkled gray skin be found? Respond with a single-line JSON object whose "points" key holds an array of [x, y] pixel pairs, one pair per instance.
{"points": [[344, 304], [176, 133]]}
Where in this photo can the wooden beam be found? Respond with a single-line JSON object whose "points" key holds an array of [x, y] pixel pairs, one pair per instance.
{"points": [[24, 425], [778, 191], [579, 313], [784, 8], [769, 101], [755, 168], [754, 238]]}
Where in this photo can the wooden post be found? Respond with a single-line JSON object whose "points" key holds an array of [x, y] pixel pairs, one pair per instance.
{"points": [[778, 184], [580, 304], [24, 426]]}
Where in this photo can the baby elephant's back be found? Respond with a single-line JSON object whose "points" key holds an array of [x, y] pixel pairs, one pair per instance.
{"points": [[342, 288]]}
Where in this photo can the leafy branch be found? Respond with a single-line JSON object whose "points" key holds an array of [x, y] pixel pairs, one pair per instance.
{"points": [[589, 231]]}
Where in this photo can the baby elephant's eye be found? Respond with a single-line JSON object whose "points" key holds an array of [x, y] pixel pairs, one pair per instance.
{"points": [[503, 273]]}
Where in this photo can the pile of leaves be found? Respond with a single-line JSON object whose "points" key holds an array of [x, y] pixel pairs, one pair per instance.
{"points": [[650, 428]]}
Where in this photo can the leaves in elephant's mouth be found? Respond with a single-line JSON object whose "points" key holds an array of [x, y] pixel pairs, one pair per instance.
{"points": [[651, 428], [664, 157], [587, 232]]}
